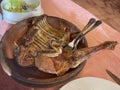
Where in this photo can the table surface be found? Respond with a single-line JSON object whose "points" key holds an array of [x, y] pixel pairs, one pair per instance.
{"points": [[79, 16], [105, 11]]}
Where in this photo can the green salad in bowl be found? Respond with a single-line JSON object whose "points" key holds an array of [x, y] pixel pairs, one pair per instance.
{"points": [[18, 6], [17, 10]]}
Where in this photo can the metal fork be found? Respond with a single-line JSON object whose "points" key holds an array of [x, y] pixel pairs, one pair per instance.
{"points": [[92, 24]]}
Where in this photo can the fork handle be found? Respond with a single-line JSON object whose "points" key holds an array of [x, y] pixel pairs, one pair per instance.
{"points": [[90, 22], [83, 33]]}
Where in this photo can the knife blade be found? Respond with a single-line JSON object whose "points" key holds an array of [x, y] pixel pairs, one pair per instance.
{"points": [[113, 76]]}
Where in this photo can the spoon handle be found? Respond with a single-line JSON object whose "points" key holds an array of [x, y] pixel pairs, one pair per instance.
{"points": [[97, 23], [75, 41], [85, 29], [90, 22]]}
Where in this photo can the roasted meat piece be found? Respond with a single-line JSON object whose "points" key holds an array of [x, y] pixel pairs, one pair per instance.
{"points": [[70, 59], [41, 42]]}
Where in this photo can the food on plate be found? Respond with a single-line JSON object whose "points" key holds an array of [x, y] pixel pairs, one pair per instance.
{"points": [[18, 6], [40, 41]]}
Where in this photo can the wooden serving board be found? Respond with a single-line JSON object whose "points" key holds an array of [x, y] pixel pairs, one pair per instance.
{"points": [[103, 12]]}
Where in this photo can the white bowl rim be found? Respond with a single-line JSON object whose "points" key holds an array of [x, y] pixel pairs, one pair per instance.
{"points": [[2, 3]]}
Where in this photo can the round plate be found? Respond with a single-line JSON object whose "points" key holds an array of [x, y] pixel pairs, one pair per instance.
{"points": [[31, 76], [90, 83]]}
